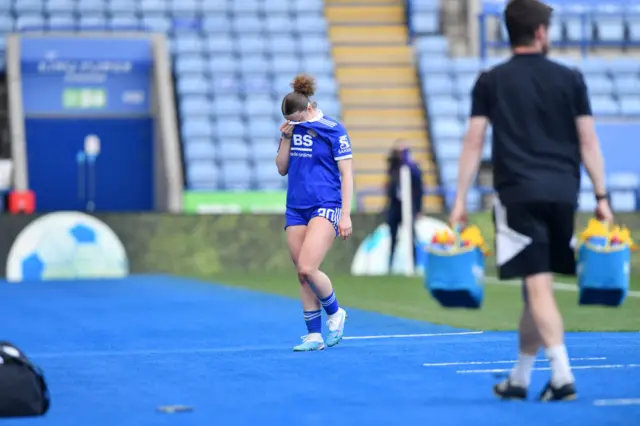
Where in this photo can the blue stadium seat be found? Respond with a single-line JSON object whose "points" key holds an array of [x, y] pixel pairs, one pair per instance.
{"points": [[30, 21], [195, 106], [315, 44], [215, 6], [233, 150], [221, 43], [605, 106], [124, 21], [624, 66], [156, 23], [592, 66], [444, 128], [91, 6], [599, 85], [196, 128], [318, 65], [236, 175], [449, 172], [303, 7], [281, 45], [627, 85], [153, 7], [288, 65], [228, 105], [310, 24], [223, 64], [122, 7], [252, 44], [624, 194], [190, 64], [199, 150], [58, 21], [630, 106], [28, 6], [263, 127], [276, 6], [254, 64], [267, 177], [6, 24], [464, 84], [444, 106], [189, 44], [439, 85], [256, 84], [203, 175], [88, 22], [230, 128], [466, 66], [246, 7], [184, 7], [60, 6], [224, 84], [248, 24], [448, 150], [259, 105], [264, 150], [610, 26], [425, 22], [216, 23], [193, 85], [277, 24], [432, 46]]}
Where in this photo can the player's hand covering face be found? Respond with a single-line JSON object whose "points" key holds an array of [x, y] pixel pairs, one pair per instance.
{"points": [[287, 129]]}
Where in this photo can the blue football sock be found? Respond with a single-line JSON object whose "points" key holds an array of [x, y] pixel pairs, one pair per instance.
{"points": [[314, 321], [330, 304]]}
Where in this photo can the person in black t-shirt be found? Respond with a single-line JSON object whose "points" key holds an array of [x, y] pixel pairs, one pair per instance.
{"points": [[542, 132]]}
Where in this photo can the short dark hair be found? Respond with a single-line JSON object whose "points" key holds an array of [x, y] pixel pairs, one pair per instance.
{"points": [[523, 18]]}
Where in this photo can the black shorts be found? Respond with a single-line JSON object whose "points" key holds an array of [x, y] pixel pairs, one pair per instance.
{"points": [[534, 238]]}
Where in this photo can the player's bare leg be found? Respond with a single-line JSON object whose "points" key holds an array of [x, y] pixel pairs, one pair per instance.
{"points": [[515, 387], [318, 240], [311, 305], [548, 320]]}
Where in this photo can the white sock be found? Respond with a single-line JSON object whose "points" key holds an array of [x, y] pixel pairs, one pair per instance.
{"points": [[521, 372], [560, 369], [314, 337]]}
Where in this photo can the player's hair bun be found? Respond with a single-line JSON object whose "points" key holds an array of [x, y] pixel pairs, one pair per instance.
{"points": [[304, 84]]}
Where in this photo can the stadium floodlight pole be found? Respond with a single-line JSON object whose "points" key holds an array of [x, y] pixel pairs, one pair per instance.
{"points": [[407, 220]]}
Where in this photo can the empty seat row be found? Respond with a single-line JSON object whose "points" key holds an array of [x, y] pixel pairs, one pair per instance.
{"points": [[252, 44], [254, 107], [281, 24], [203, 149], [173, 6], [597, 85], [248, 84], [234, 175], [223, 64], [613, 67]]}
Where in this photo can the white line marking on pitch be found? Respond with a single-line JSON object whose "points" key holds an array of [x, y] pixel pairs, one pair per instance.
{"points": [[191, 351], [574, 367], [451, 364], [616, 402], [408, 336], [557, 286]]}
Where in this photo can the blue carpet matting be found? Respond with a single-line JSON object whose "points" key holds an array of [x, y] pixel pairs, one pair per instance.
{"points": [[113, 351]]}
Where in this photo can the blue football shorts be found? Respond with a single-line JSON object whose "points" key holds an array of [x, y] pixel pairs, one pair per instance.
{"points": [[302, 217]]}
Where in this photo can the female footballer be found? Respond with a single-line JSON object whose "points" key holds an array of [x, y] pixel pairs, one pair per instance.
{"points": [[316, 154]]}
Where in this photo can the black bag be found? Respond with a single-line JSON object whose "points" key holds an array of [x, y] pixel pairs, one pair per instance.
{"points": [[23, 391]]}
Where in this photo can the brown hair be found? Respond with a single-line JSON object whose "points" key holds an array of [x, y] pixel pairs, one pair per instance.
{"points": [[523, 18], [304, 86]]}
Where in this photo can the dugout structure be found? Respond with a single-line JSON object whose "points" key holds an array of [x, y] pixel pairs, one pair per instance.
{"points": [[93, 121]]}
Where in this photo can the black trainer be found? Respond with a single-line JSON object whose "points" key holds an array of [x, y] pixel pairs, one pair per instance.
{"points": [[508, 390], [563, 393]]}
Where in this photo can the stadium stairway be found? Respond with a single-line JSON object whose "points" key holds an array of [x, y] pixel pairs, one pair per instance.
{"points": [[379, 92]]}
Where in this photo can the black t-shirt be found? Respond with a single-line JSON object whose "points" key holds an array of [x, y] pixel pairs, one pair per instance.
{"points": [[532, 104]]}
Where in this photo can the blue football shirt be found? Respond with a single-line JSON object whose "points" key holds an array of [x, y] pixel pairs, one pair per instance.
{"points": [[316, 148]]}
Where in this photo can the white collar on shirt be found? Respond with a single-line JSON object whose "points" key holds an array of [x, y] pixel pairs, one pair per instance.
{"points": [[318, 117]]}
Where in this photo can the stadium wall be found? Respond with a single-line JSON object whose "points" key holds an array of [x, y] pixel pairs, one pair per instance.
{"points": [[204, 245]]}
